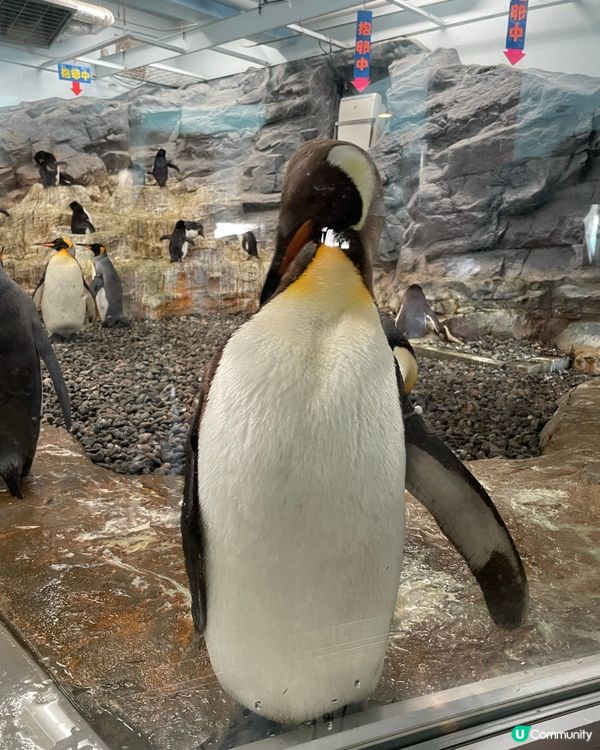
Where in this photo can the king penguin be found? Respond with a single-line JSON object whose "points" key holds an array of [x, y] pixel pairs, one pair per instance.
{"points": [[22, 342], [62, 293], [293, 512], [106, 288]]}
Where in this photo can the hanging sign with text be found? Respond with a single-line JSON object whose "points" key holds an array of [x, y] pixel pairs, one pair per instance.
{"points": [[515, 34], [76, 74], [362, 50]]}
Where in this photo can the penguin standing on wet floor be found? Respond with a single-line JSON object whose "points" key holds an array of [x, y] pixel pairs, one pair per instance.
{"points": [[160, 170], [178, 242], [249, 244], [106, 288], [23, 342], [293, 537], [64, 297], [81, 222], [51, 174]]}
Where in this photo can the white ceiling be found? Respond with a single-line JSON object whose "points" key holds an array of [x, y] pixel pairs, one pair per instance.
{"points": [[207, 39]]}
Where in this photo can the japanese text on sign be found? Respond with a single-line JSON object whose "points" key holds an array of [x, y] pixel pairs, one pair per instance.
{"points": [[517, 24], [74, 73], [362, 48]]}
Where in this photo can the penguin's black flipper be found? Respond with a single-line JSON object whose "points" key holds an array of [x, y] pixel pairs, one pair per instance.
{"points": [[468, 518], [191, 528], [191, 514], [173, 166], [97, 284], [165, 237], [66, 179], [90, 303], [38, 291], [46, 352]]}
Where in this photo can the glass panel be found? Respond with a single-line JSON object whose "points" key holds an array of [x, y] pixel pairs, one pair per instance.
{"points": [[346, 513]]}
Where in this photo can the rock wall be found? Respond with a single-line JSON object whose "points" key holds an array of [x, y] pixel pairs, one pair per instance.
{"points": [[488, 175]]}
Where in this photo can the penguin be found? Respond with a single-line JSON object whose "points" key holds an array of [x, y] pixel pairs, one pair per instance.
{"points": [[178, 242], [50, 170], [297, 459], [193, 229], [81, 222], [415, 316], [106, 288], [62, 293], [160, 170], [23, 342], [249, 244]]}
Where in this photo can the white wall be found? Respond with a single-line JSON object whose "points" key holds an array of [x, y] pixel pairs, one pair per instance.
{"points": [[20, 84]]}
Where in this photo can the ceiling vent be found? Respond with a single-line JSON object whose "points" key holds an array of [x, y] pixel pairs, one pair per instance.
{"points": [[35, 23]]}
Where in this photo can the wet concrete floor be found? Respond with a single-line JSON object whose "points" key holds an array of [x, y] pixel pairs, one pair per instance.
{"points": [[92, 581]]}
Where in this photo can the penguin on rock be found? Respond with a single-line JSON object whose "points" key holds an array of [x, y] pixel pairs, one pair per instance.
{"points": [[249, 244], [178, 241], [81, 222], [51, 174], [160, 169], [64, 297], [23, 342], [297, 459]]}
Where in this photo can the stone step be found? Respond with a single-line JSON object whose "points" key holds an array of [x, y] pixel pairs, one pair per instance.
{"points": [[530, 366]]}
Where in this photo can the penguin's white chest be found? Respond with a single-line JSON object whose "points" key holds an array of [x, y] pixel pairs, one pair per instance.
{"points": [[301, 479], [63, 298], [101, 300]]}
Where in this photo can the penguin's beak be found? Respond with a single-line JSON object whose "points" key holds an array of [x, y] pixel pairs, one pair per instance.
{"points": [[43, 244], [287, 250], [87, 247]]}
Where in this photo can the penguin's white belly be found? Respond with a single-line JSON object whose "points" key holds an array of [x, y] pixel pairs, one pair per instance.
{"points": [[102, 303], [63, 299], [301, 478]]}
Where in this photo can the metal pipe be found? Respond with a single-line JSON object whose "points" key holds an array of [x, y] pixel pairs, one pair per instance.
{"points": [[94, 15]]}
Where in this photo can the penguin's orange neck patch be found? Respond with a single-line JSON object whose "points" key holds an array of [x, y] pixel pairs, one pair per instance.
{"points": [[330, 276]]}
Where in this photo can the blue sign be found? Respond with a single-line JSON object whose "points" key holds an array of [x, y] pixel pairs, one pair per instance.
{"points": [[517, 24], [362, 49], [74, 73]]}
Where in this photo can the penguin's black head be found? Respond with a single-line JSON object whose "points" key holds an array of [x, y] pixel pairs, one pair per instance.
{"points": [[180, 225], [60, 243], [74, 206], [43, 157], [195, 226], [327, 185], [161, 152], [97, 248]]}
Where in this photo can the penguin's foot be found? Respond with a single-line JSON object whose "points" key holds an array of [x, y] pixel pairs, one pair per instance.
{"points": [[246, 727], [56, 337]]}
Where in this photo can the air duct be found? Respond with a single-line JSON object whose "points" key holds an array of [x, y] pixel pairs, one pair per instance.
{"points": [[86, 19]]}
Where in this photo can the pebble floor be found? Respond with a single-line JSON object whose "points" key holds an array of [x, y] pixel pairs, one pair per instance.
{"points": [[133, 392]]}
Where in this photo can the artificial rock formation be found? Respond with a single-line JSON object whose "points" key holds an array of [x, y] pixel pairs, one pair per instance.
{"points": [[488, 174]]}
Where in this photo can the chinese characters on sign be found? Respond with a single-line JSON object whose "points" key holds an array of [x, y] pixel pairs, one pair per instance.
{"points": [[362, 50], [74, 73], [515, 34]]}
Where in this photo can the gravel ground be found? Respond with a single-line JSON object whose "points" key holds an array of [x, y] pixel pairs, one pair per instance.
{"points": [[133, 392]]}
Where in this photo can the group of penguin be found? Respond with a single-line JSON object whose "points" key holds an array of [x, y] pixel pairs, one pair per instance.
{"points": [[52, 174], [297, 459]]}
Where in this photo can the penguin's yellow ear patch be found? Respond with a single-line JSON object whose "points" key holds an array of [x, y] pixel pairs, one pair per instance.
{"points": [[67, 241], [408, 368]]}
